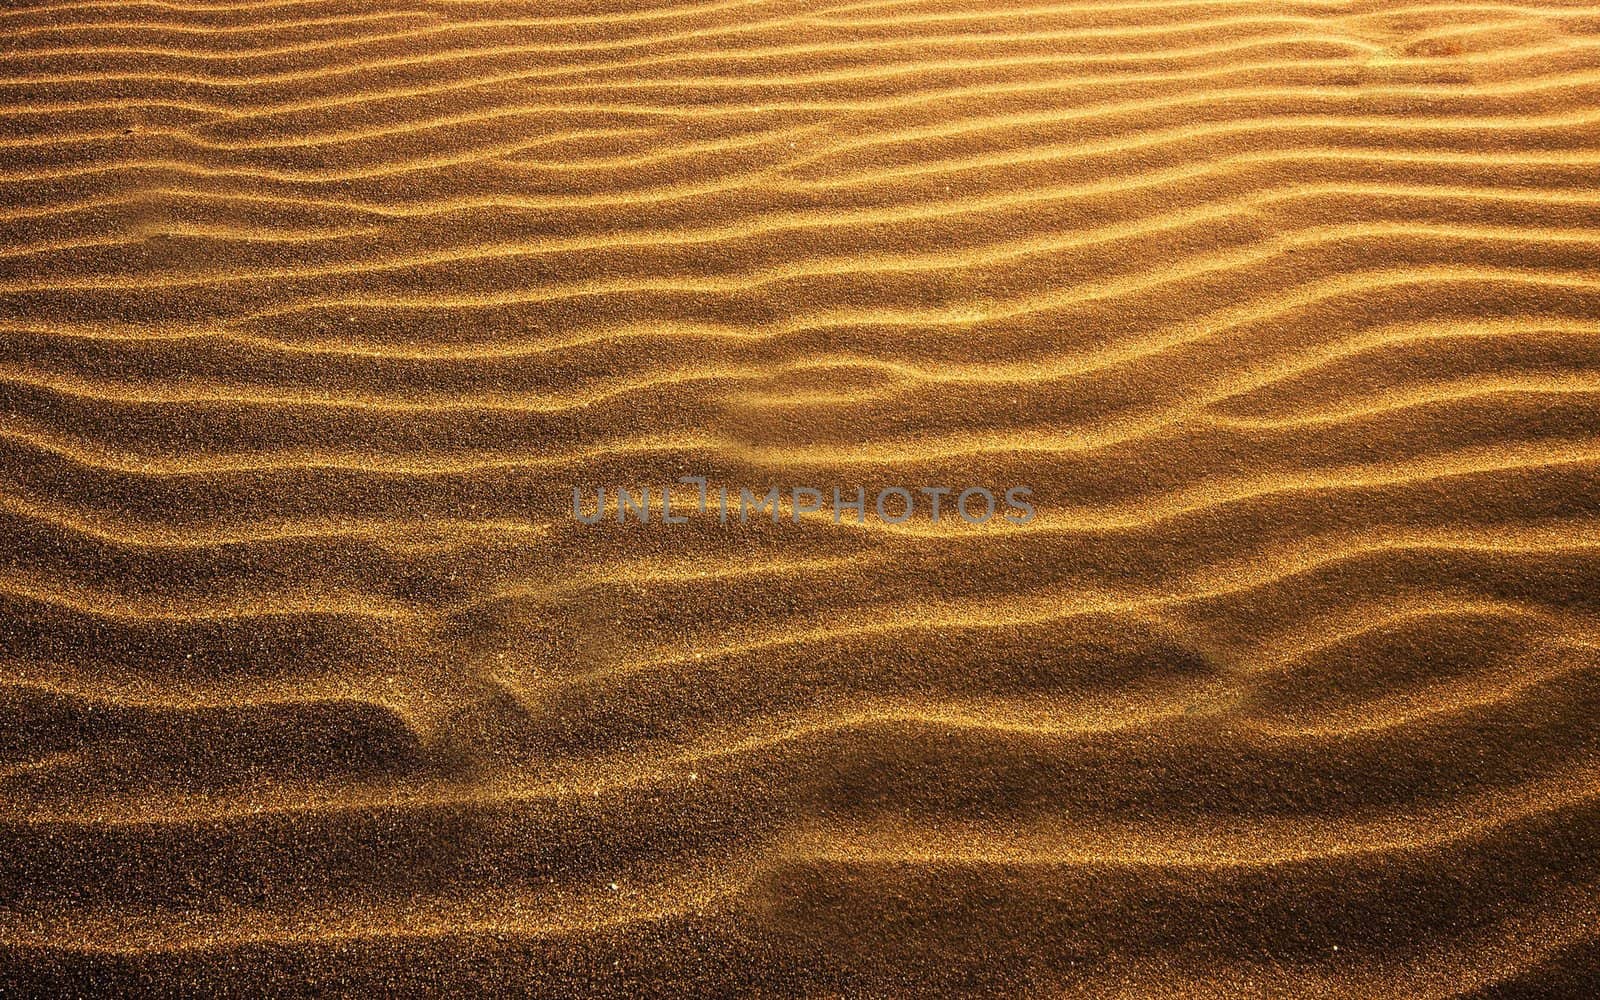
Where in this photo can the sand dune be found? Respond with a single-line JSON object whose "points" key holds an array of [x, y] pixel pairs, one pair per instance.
{"points": [[313, 313]]}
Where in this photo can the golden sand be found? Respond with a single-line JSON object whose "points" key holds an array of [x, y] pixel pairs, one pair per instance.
{"points": [[314, 312]]}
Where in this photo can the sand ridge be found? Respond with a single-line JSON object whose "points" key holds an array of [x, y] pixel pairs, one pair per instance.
{"points": [[314, 312]]}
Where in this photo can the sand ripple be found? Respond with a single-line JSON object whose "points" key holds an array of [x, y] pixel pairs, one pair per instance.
{"points": [[312, 314]]}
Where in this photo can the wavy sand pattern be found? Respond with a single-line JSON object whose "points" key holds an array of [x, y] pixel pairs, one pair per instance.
{"points": [[312, 312]]}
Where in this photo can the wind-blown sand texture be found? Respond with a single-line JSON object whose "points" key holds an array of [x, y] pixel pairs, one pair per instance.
{"points": [[312, 313]]}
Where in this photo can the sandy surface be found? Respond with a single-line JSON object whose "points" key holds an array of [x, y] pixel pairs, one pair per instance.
{"points": [[314, 312]]}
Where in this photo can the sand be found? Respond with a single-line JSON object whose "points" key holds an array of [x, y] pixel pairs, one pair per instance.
{"points": [[314, 312]]}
